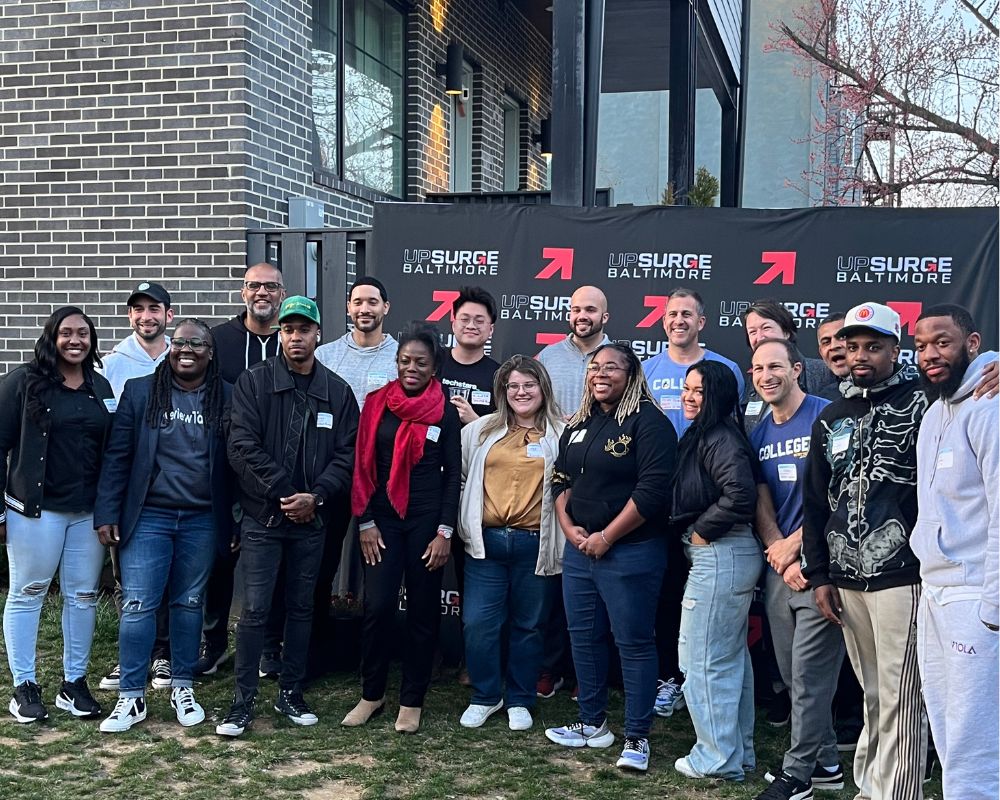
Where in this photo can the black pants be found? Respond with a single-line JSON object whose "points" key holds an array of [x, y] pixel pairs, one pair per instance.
{"points": [[557, 654], [299, 550], [405, 543], [668, 610], [161, 645]]}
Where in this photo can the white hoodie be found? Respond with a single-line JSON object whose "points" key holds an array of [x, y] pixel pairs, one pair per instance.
{"points": [[957, 533], [127, 360]]}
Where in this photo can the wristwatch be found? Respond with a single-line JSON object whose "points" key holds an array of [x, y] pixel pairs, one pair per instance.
{"points": [[444, 531], [318, 498]]}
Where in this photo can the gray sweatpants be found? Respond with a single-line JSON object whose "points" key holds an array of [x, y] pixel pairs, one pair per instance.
{"points": [[809, 651]]}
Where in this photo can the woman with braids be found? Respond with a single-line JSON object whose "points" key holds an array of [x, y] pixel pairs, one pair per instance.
{"points": [[616, 458], [512, 540], [55, 412], [165, 498], [714, 497]]}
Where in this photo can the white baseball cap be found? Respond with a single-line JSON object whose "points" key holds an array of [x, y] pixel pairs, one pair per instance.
{"points": [[871, 317]]}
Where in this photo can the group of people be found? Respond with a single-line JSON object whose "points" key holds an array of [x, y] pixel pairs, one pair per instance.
{"points": [[588, 501]]}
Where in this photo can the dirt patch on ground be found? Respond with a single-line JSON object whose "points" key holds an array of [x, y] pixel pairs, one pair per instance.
{"points": [[334, 790], [292, 768], [353, 759]]}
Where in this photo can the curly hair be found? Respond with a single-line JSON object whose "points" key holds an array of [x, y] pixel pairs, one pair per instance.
{"points": [[428, 336], [161, 398], [636, 389], [43, 370]]}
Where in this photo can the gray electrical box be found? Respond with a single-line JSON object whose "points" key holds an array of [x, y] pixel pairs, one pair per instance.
{"points": [[305, 213]]}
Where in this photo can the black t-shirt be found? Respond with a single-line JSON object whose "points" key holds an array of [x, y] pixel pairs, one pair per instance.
{"points": [[477, 378], [76, 443]]}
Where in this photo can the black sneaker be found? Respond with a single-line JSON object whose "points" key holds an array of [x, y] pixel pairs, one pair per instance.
{"points": [[75, 697], [779, 709], [823, 779], [26, 704], [785, 787], [112, 681], [239, 718], [161, 673], [209, 661], [292, 704], [847, 738], [270, 666]]}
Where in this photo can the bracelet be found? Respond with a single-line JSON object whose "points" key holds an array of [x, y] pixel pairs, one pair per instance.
{"points": [[605, 539]]}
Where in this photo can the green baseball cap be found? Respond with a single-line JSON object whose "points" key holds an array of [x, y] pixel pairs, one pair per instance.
{"points": [[299, 306]]}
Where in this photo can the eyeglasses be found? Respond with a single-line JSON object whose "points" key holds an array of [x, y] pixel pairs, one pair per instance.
{"points": [[255, 286], [195, 344], [604, 369], [514, 388], [472, 322]]}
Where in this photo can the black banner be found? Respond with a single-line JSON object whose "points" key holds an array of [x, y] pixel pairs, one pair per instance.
{"points": [[814, 261]]}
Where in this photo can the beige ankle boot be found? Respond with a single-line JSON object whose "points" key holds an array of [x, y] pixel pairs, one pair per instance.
{"points": [[408, 720], [362, 712]]}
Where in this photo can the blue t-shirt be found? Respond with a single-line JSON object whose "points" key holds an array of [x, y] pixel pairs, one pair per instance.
{"points": [[666, 379], [782, 450]]}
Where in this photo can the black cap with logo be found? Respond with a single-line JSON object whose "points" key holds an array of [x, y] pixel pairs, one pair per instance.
{"points": [[151, 290]]}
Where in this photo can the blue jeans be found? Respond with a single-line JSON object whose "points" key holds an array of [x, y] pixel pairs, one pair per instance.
{"points": [[504, 589], [615, 594], [168, 548], [36, 548], [713, 653]]}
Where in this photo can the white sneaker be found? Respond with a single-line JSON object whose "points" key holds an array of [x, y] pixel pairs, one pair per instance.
{"points": [[128, 711], [579, 734], [519, 718], [475, 716], [189, 712]]}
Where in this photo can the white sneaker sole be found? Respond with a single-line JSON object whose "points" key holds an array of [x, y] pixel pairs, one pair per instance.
{"points": [[478, 723], [161, 683], [68, 705], [120, 727], [16, 714], [632, 766], [305, 722], [599, 742], [109, 684], [230, 730], [194, 718]]}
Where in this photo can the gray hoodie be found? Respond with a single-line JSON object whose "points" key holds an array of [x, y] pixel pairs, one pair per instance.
{"points": [[128, 360], [958, 525], [364, 368]]}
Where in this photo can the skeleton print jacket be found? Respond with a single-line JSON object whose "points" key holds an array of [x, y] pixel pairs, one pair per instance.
{"points": [[860, 496]]}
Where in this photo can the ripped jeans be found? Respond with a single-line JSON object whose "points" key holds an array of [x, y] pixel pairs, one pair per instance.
{"points": [[169, 549], [36, 548]]}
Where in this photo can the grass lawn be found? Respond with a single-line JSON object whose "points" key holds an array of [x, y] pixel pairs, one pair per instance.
{"points": [[68, 758]]}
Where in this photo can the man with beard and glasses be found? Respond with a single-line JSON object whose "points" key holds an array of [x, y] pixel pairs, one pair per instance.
{"points": [[149, 313], [860, 508], [247, 339], [956, 541], [365, 357]]}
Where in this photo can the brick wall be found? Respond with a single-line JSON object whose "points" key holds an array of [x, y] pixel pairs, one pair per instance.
{"points": [[139, 139]]}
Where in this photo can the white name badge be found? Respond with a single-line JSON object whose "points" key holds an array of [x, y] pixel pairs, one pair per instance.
{"points": [[840, 442], [754, 407], [670, 403], [787, 473], [376, 380], [433, 432], [324, 420], [577, 436], [111, 405], [480, 398], [535, 450], [946, 459]]}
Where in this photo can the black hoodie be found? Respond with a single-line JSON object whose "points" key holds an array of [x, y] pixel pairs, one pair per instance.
{"points": [[237, 349]]}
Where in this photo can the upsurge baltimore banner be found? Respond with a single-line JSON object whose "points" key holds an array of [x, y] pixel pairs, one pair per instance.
{"points": [[814, 261]]}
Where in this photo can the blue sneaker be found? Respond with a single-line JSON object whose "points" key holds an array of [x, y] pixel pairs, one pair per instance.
{"points": [[635, 754], [669, 698], [580, 735]]}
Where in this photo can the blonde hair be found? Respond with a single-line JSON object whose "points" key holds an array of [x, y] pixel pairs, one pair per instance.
{"points": [[503, 418], [636, 390]]}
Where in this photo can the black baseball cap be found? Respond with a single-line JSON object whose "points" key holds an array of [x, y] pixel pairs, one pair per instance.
{"points": [[151, 290]]}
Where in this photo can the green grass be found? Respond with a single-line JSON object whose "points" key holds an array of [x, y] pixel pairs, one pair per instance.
{"points": [[69, 758]]}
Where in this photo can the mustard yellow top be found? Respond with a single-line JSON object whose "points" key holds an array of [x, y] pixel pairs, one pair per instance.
{"points": [[512, 481]]}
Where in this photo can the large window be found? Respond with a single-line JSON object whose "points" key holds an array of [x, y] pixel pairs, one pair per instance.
{"points": [[358, 104]]}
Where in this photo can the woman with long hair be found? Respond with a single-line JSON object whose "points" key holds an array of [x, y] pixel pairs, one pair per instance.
{"points": [[407, 477], [512, 540], [616, 457], [55, 413], [714, 497], [165, 498]]}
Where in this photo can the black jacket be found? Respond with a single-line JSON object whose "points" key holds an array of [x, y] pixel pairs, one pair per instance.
{"points": [[860, 494], [605, 464], [263, 400], [130, 461], [715, 488], [237, 349], [26, 442]]}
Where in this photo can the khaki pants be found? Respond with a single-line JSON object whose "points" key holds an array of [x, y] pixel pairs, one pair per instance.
{"points": [[880, 631]]}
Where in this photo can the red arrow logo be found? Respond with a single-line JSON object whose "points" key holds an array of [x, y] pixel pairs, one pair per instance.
{"points": [[446, 297], [545, 339], [782, 263], [560, 260], [657, 302], [909, 313]]}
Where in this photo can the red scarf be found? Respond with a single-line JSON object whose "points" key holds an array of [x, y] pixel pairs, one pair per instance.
{"points": [[417, 414]]}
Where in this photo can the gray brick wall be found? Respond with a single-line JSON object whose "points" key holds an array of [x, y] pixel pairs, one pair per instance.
{"points": [[139, 139]]}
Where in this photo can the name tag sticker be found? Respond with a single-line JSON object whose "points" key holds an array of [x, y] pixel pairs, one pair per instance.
{"points": [[535, 450], [670, 403], [111, 405], [787, 473], [577, 436], [480, 398], [376, 380], [324, 420], [754, 407], [840, 442], [433, 432], [946, 459]]}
